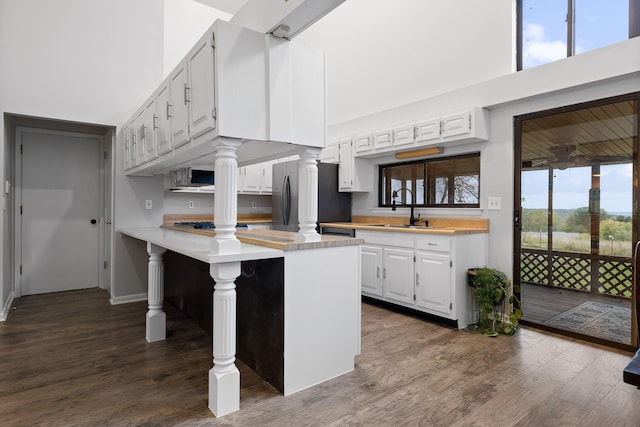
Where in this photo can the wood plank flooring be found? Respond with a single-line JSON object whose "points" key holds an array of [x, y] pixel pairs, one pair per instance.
{"points": [[73, 359]]}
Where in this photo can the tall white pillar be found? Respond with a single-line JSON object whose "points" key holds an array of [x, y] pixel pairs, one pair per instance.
{"points": [[308, 195], [225, 207], [224, 377], [156, 318]]}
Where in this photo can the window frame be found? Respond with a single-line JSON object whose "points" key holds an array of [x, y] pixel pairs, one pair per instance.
{"points": [[634, 27], [425, 164]]}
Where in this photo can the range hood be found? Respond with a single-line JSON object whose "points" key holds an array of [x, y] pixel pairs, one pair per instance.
{"points": [[188, 178]]}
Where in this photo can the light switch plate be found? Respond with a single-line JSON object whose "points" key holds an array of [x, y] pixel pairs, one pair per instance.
{"points": [[495, 203], [148, 204]]}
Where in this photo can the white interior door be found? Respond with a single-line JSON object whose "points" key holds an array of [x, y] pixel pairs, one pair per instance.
{"points": [[60, 188]]}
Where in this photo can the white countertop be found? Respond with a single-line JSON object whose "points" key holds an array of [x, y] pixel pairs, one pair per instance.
{"points": [[197, 246]]}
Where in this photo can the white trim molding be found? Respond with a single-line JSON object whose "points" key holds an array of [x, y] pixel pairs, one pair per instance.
{"points": [[128, 298], [4, 314]]}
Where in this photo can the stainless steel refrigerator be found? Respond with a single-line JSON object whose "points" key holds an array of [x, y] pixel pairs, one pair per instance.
{"points": [[333, 206]]}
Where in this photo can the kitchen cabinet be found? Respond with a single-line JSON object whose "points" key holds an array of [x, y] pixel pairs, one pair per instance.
{"points": [[126, 147], [148, 130], [255, 179], [403, 134], [163, 130], [427, 130], [363, 142], [371, 276], [456, 124], [134, 139], [353, 174], [422, 271], [267, 177], [382, 139], [397, 275], [200, 90], [178, 110], [139, 140], [331, 153]]}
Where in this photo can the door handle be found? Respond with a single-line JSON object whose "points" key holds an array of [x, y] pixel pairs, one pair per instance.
{"points": [[94, 221]]}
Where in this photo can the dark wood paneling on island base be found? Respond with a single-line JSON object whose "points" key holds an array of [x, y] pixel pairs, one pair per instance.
{"points": [[259, 312], [71, 359]]}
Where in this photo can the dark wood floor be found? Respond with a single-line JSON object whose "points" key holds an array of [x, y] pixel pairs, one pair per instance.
{"points": [[72, 359]]}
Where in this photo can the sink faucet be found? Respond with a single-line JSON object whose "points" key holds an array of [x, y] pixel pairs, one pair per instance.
{"points": [[412, 218]]}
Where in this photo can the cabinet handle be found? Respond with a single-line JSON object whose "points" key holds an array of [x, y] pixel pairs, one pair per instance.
{"points": [[155, 121], [432, 244], [377, 272], [384, 272], [169, 115], [187, 90], [143, 132], [417, 279]]}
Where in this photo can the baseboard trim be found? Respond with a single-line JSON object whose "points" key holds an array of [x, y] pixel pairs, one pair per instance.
{"points": [[4, 314], [128, 298]]}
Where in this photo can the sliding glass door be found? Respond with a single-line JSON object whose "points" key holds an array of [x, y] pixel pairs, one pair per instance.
{"points": [[577, 195]]}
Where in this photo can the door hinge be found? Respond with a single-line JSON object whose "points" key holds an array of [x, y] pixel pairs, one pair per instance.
{"points": [[106, 155], [21, 148], [414, 297], [20, 209], [414, 258], [469, 121], [21, 269], [104, 265], [450, 306], [450, 263], [213, 40]]}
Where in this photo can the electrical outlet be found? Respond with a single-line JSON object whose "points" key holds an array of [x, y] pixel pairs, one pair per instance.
{"points": [[495, 203], [148, 204], [190, 204], [254, 205]]}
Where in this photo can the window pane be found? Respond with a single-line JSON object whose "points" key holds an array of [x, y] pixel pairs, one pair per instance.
{"points": [[454, 181], [600, 23], [396, 177], [544, 28]]}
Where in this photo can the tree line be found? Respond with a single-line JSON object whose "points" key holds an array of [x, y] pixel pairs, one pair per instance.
{"points": [[616, 227]]}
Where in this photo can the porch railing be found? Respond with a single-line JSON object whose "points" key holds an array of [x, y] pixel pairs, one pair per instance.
{"points": [[574, 271]]}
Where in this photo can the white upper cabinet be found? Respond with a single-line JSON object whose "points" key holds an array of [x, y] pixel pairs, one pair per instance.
{"points": [[126, 147], [178, 107], [140, 148], [382, 139], [363, 142], [133, 141], [403, 134], [428, 130], [456, 124], [163, 130], [200, 91], [353, 174], [148, 130], [331, 153]]}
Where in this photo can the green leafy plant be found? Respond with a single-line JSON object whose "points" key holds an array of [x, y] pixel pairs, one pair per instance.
{"points": [[495, 298]]}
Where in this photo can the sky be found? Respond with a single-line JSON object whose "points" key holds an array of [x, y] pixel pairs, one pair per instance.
{"points": [[571, 188], [597, 23]]}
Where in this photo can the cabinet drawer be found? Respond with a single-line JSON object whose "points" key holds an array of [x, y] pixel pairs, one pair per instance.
{"points": [[434, 243], [386, 238]]}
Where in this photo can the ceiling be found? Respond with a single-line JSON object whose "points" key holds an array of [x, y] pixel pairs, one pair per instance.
{"points": [[597, 135]]}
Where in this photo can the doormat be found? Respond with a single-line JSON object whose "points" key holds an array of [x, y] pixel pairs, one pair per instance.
{"points": [[596, 319]]}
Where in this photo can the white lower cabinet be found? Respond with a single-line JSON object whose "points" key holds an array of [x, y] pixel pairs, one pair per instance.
{"points": [[421, 271], [397, 275], [371, 263]]}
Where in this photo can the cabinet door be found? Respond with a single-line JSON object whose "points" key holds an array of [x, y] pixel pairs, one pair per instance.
{"points": [[163, 131], [179, 111], [330, 154], [456, 124], [363, 143], [200, 90], [149, 126], [266, 185], [433, 283], [371, 264], [126, 146], [140, 129], [427, 130], [251, 179], [397, 274], [345, 170], [403, 134], [133, 142], [382, 139]]}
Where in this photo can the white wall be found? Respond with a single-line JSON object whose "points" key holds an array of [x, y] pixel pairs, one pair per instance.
{"points": [[185, 21], [609, 71], [178, 203], [382, 54]]}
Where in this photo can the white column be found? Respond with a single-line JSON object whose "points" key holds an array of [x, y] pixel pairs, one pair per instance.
{"points": [[224, 377], [156, 318], [225, 207], [308, 196]]}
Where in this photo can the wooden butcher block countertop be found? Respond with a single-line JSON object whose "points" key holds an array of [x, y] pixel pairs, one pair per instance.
{"points": [[401, 224]]}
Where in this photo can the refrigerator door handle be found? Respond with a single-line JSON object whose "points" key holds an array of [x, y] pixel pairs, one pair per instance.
{"points": [[286, 200]]}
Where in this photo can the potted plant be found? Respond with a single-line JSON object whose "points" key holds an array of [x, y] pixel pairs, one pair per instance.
{"points": [[495, 301]]}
